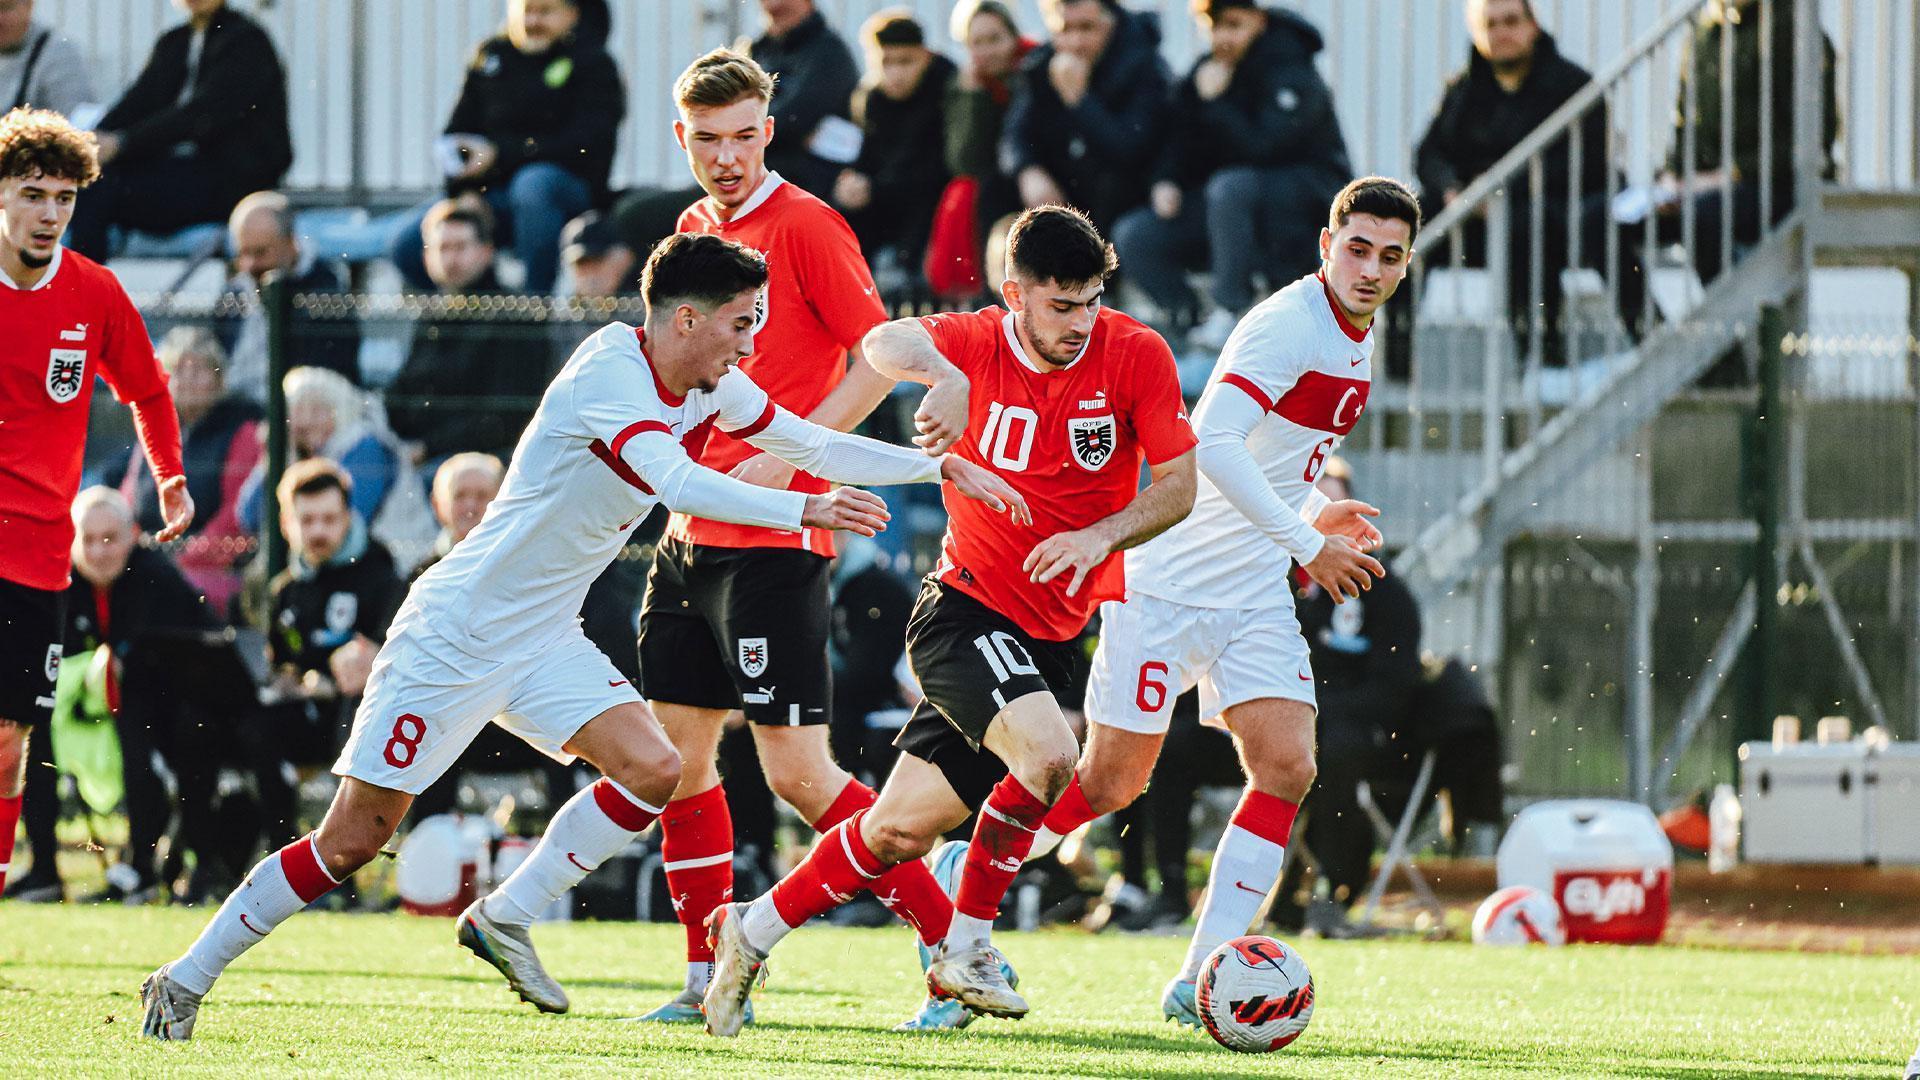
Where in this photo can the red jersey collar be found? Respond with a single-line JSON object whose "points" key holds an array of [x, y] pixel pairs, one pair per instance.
{"points": [[667, 396], [53, 267], [1354, 333], [768, 185]]}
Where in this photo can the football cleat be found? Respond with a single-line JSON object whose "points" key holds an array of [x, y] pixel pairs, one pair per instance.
{"points": [[737, 968], [978, 977], [510, 950], [171, 1008], [684, 1009], [1179, 1004]]}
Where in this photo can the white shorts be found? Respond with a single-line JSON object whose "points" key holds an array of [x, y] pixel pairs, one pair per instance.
{"points": [[1153, 650], [426, 702]]}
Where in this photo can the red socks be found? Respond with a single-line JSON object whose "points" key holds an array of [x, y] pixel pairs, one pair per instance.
{"points": [[834, 872], [1071, 811], [307, 875], [908, 889], [1001, 839], [1268, 817], [696, 846], [9, 824]]}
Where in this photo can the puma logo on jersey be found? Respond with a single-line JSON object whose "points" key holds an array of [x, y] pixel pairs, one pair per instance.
{"points": [[78, 333], [1097, 401]]}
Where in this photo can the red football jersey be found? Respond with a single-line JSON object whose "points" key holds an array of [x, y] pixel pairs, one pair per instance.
{"points": [[820, 303], [1070, 440], [75, 324]]}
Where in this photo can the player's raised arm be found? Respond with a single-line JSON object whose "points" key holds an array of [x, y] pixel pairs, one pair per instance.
{"points": [[904, 351]]}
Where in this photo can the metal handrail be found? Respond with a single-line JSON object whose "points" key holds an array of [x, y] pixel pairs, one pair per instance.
{"points": [[1487, 184]]}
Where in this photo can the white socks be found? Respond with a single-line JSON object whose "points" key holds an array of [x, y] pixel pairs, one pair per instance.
{"points": [[699, 974], [595, 825], [1245, 867], [762, 925], [282, 883], [1044, 840], [967, 931]]}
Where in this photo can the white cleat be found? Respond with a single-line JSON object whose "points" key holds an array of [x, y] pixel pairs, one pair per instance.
{"points": [[737, 968], [1179, 1003], [977, 978], [510, 949], [171, 1008]]}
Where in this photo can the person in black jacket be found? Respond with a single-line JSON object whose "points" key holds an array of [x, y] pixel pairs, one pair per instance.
{"points": [[260, 236], [1515, 79], [467, 384], [203, 124], [1252, 156], [889, 193], [1086, 119], [817, 78], [533, 131], [121, 592]]}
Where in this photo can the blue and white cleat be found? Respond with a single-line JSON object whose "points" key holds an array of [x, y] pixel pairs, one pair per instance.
{"points": [[510, 950], [684, 1009], [170, 1008], [942, 1014], [1180, 1004]]}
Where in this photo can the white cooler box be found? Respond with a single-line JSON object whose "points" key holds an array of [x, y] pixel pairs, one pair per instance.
{"points": [[1805, 803], [1894, 798], [1605, 862]]}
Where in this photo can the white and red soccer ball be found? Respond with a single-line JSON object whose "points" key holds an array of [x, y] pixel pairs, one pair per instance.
{"points": [[1255, 994], [1518, 915]]}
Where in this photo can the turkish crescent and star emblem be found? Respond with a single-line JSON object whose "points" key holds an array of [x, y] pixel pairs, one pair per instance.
{"points": [[753, 656], [1091, 439], [66, 369]]}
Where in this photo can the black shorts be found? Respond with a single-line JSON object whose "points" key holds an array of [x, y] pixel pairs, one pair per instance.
{"points": [[738, 628], [972, 662], [32, 624]]}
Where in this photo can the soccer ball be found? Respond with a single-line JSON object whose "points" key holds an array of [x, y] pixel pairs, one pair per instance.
{"points": [[1255, 994], [1518, 915]]}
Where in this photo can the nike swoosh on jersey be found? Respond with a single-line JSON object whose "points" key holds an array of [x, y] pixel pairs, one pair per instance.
{"points": [[622, 682]]}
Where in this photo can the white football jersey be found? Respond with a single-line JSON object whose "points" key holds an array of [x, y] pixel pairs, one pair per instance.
{"points": [[578, 484], [1308, 370]]}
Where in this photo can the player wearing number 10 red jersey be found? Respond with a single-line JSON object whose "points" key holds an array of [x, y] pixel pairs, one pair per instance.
{"points": [[1065, 400]]}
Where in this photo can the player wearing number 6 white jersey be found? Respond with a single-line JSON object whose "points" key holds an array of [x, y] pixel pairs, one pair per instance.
{"points": [[1209, 601], [492, 632]]}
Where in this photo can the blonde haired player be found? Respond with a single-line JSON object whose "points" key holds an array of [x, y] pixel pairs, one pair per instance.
{"points": [[1209, 601]]}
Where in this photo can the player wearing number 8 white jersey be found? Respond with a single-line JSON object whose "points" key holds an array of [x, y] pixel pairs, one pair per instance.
{"points": [[492, 633], [1209, 601]]}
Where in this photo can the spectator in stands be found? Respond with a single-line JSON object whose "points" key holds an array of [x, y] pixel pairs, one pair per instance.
{"points": [[1702, 181], [467, 384], [260, 235], [121, 592], [328, 417], [1253, 151], [39, 67], [812, 137], [203, 124], [533, 132], [1086, 118], [1366, 663], [329, 613], [600, 264], [889, 193], [463, 488], [1515, 79], [977, 103], [220, 445]]}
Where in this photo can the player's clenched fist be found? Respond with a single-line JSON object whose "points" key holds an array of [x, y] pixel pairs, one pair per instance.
{"points": [[847, 508], [1343, 568], [1079, 551], [984, 485], [942, 416]]}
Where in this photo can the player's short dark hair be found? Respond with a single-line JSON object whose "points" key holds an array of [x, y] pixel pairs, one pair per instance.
{"points": [[721, 78], [41, 142], [1212, 8], [707, 270], [968, 10], [1059, 244], [460, 212], [1380, 196], [313, 476]]}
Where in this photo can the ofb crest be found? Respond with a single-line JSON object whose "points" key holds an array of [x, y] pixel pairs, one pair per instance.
{"points": [[1091, 438], [753, 656], [66, 369]]}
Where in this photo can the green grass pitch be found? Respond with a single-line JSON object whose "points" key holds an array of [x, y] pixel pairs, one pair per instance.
{"points": [[391, 995]]}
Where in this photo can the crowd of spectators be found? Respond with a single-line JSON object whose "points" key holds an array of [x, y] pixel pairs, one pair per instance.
{"points": [[1224, 171]]}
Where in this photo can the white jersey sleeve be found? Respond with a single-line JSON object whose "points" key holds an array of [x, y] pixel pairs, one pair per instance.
{"points": [[1225, 418], [747, 413]]}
